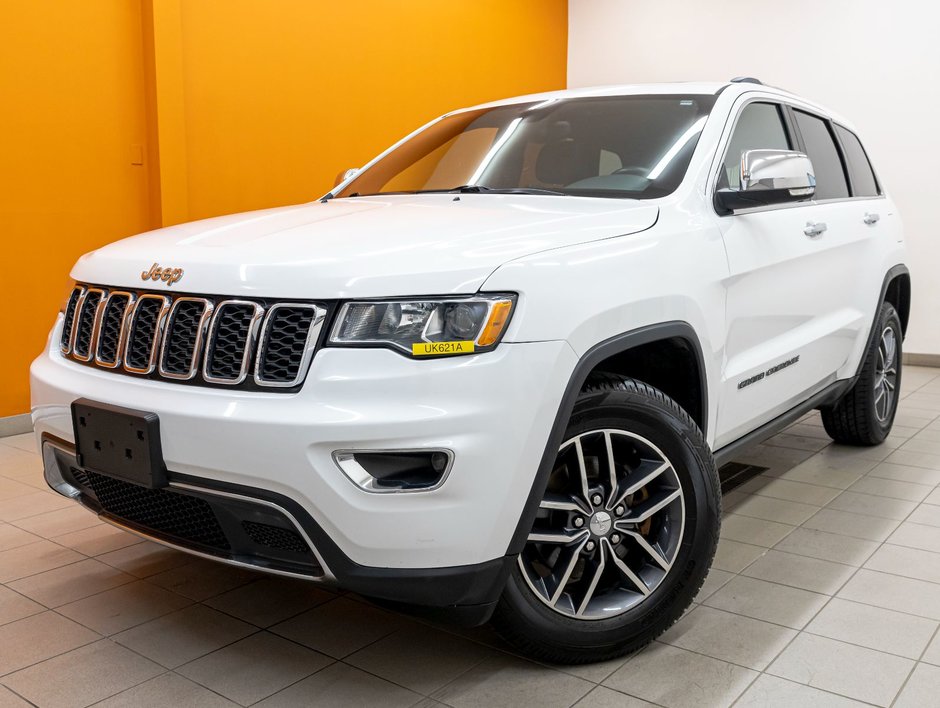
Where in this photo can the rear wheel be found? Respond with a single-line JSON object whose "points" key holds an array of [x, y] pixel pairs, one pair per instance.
{"points": [[865, 414], [625, 532]]}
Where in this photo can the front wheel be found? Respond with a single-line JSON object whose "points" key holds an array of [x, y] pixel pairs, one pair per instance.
{"points": [[624, 534]]}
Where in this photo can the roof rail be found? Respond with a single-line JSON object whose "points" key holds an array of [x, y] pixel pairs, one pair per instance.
{"points": [[746, 80]]}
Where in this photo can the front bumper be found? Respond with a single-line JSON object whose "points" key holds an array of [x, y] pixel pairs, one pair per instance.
{"points": [[494, 411]]}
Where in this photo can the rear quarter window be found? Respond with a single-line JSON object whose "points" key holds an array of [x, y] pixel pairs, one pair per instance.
{"points": [[864, 183], [821, 148]]}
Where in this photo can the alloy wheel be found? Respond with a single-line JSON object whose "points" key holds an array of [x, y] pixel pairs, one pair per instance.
{"points": [[886, 374], [609, 527]]}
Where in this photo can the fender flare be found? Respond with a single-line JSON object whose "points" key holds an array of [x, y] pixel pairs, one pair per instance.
{"points": [[893, 273], [599, 352]]}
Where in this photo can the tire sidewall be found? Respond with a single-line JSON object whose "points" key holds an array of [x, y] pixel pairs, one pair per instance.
{"points": [[888, 318]]}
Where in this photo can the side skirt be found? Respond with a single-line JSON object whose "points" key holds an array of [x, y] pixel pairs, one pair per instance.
{"points": [[826, 397]]}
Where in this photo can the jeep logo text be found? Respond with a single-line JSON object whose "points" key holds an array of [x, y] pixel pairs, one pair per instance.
{"points": [[167, 275]]}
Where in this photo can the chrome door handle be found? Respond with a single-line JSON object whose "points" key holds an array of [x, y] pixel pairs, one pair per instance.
{"points": [[814, 228], [871, 218]]}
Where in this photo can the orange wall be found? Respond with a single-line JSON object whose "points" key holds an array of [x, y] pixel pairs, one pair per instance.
{"points": [[277, 103], [72, 92], [236, 105]]}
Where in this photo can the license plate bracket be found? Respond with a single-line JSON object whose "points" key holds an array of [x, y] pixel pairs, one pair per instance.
{"points": [[119, 442]]}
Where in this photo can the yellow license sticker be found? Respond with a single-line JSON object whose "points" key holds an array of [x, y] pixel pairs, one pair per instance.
{"points": [[439, 348]]}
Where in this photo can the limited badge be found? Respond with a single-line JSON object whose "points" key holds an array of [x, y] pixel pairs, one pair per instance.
{"points": [[441, 348]]}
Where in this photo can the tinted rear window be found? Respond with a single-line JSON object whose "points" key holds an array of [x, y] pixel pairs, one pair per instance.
{"points": [[863, 177], [830, 176]]}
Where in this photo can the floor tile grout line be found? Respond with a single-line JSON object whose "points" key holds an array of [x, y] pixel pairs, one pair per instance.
{"points": [[615, 690], [19, 695], [6, 675], [816, 614], [917, 662]]}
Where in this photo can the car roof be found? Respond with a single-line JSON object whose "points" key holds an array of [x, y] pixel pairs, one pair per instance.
{"points": [[677, 87]]}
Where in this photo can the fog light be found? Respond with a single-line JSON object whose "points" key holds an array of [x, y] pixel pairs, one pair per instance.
{"points": [[395, 470]]}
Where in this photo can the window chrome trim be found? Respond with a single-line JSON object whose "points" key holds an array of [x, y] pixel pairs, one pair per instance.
{"points": [[201, 329], [157, 333], [250, 341], [67, 350], [719, 157], [122, 332], [313, 336], [77, 320]]}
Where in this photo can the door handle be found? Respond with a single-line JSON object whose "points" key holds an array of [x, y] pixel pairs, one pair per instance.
{"points": [[814, 228], [871, 218]]}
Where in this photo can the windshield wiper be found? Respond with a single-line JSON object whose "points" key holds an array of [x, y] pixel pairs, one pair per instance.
{"points": [[480, 189]]}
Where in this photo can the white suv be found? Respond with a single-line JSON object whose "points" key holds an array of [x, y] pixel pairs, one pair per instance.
{"points": [[492, 373]]}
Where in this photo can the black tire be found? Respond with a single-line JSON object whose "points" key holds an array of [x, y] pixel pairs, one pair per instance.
{"points": [[618, 403], [861, 417]]}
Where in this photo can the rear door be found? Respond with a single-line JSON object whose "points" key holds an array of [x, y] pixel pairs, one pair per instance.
{"points": [[792, 313]]}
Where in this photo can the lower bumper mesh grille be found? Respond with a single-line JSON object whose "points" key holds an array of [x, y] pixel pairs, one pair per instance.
{"points": [[275, 537], [179, 515]]}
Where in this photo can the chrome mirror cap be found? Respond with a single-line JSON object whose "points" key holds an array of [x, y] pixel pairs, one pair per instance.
{"points": [[770, 177]]}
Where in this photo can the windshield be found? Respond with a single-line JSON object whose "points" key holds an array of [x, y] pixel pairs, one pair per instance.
{"points": [[635, 147]]}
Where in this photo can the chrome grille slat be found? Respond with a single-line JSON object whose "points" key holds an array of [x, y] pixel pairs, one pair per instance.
{"points": [[111, 328], [231, 339], [86, 321], [288, 339], [200, 340], [183, 338], [65, 341], [144, 327]]}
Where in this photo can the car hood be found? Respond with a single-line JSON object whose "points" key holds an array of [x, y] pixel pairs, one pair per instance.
{"points": [[362, 247]]}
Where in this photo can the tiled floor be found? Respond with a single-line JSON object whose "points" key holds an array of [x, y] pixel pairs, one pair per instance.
{"points": [[825, 591]]}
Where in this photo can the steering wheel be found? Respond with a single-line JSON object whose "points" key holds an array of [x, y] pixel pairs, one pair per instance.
{"points": [[636, 171]]}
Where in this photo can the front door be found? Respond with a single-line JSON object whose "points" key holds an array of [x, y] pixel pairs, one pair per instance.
{"points": [[792, 313]]}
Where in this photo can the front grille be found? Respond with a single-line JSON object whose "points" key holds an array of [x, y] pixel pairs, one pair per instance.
{"points": [[87, 315], [66, 341], [146, 320], [109, 333], [275, 537], [179, 515], [202, 340], [286, 343], [183, 335], [226, 360]]}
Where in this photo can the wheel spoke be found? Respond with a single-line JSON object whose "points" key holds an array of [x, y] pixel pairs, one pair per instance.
{"points": [[561, 537], [563, 504], [582, 470], [653, 553], [611, 466], [566, 575], [658, 468], [592, 587], [644, 510], [627, 573]]}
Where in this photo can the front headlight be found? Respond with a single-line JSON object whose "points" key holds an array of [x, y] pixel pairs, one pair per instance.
{"points": [[426, 328]]}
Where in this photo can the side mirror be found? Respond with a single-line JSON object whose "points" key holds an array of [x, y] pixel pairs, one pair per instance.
{"points": [[345, 175], [770, 177]]}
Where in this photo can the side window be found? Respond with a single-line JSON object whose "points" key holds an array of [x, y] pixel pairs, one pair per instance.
{"points": [[759, 127], [863, 177], [822, 151]]}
